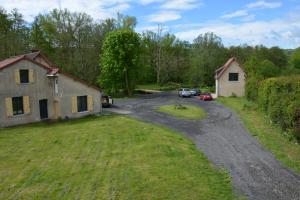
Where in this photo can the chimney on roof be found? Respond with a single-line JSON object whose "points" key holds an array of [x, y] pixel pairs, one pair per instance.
{"points": [[34, 50]]}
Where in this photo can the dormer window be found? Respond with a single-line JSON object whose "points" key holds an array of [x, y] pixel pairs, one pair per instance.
{"points": [[24, 75]]}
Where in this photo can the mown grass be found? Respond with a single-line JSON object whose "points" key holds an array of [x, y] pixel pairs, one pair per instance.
{"points": [[109, 157], [268, 134], [190, 112], [158, 87]]}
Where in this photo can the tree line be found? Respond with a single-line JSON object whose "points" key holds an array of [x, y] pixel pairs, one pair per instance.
{"points": [[75, 42]]}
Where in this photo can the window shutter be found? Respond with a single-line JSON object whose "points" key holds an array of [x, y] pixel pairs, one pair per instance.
{"points": [[26, 104], [17, 76], [31, 77], [74, 104], [90, 104], [9, 107]]}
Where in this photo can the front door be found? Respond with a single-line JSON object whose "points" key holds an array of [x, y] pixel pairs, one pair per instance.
{"points": [[43, 108]]}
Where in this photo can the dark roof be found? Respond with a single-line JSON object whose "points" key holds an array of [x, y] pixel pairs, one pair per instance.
{"points": [[51, 70], [220, 71]]}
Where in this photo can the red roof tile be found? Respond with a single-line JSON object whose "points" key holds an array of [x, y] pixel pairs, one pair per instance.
{"points": [[222, 69], [10, 61]]}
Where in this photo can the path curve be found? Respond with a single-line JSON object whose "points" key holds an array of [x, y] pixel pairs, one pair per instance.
{"points": [[225, 141]]}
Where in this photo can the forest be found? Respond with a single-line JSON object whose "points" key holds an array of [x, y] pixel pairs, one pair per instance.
{"points": [[74, 42]]}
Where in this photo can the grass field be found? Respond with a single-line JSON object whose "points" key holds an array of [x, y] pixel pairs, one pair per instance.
{"points": [[271, 136], [190, 112], [110, 157]]}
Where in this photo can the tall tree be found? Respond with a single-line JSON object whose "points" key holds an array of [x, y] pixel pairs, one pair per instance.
{"points": [[119, 62], [208, 54], [14, 34]]}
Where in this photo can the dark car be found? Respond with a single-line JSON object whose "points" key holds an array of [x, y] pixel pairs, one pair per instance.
{"points": [[107, 101], [205, 97], [195, 91]]}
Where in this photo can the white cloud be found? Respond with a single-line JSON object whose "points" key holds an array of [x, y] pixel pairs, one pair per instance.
{"points": [[181, 4], [239, 13], [163, 16], [146, 2], [98, 9], [282, 32], [264, 5]]}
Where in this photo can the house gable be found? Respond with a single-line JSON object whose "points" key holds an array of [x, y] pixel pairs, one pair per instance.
{"points": [[230, 79]]}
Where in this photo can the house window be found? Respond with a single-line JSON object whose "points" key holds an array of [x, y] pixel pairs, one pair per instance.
{"points": [[233, 76], [24, 76], [81, 103], [17, 103]]}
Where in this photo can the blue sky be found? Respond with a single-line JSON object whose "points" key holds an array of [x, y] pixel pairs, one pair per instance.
{"points": [[267, 22]]}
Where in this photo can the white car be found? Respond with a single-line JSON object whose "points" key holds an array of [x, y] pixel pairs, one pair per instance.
{"points": [[185, 92]]}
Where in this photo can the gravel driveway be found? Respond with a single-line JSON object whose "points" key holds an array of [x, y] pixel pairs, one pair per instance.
{"points": [[225, 141]]}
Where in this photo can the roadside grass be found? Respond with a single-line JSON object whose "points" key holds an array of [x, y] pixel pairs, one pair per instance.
{"points": [[108, 157], [158, 87], [268, 134], [189, 112]]}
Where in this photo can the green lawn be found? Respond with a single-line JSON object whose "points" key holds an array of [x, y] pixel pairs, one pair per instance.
{"points": [[110, 157], [190, 112], [284, 149]]}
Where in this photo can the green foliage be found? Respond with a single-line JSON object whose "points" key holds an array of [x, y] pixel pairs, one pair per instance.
{"points": [[267, 69], [14, 34], [119, 61], [295, 59], [208, 53], [279, 98], [256, 72]]}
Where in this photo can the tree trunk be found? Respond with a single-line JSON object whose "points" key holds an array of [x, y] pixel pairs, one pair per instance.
{"points": [[127, 83]]}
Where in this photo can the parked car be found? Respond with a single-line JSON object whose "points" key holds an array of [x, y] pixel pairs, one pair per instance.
{"points": [[195, 91], [107, 101], [184, 92], [205, 97]]}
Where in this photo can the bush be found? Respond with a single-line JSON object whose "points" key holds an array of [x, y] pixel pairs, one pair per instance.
{"points": [[251, 88], [280, 99]]}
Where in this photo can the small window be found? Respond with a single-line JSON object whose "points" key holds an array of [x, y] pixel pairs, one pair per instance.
{"points": [[233, 76], [24, 76], [17, 103], [81, 103]]}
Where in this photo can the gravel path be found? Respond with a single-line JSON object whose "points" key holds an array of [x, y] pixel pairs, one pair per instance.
{"points": [[225, 141]]}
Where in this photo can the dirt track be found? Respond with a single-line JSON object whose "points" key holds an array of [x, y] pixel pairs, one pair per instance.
{"points": [[225, 141]]}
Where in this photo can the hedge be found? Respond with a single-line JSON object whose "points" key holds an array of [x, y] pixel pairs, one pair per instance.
{"points": [[280, 99]]}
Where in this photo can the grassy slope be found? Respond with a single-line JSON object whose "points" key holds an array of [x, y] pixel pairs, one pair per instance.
{"points": [[191, 112], [92, 159], [288, 152]]}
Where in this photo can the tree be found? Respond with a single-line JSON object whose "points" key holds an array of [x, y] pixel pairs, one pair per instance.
{"points": [[119, 61], [295, 59], [208, 54], [278, 57], [267, 69], [13, 34]]}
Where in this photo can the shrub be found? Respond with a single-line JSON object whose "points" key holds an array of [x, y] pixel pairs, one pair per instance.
{"points": [[251, 88], [280, 99]]}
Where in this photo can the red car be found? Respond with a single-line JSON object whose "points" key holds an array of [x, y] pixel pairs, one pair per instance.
{"points": [[205, 97]]}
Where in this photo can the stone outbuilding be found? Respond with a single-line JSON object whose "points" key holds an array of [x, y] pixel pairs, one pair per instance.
{"points": [[230, 79]]}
